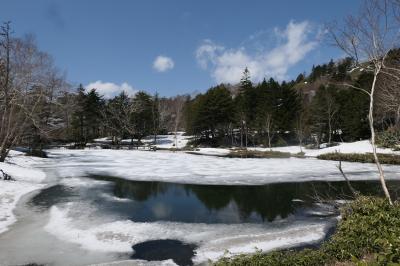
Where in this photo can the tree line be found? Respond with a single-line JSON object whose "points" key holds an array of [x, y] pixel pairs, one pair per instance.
{"points": [[309, 110]]}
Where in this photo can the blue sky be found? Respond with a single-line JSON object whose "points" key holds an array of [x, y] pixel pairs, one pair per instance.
{"points": [[176, 46]]}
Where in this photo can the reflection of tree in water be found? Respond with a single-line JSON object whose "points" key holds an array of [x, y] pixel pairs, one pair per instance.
{"points": [[137, 190], [213, 197], [140, 191], [273, 200], [267, 201]]}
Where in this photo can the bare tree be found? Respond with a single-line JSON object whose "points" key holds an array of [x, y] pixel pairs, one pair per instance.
{"points": [[368, 38], [301, 128], [388, 93], [27, 89], [177, 106], [118, 117], [331, 110], [269, 124]]}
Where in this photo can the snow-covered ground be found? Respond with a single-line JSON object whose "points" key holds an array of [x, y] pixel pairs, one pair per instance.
{"points": [[163, 141], [168, 141], [363, 146], [27, 179]]}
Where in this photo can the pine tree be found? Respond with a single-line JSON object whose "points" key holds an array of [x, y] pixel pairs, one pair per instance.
{"points": [[142, 117], [79, 117], [155, 113], [86, 119], [245, 102], [93, 104]]}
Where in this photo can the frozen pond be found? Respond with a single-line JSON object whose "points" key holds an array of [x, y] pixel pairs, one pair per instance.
{"points": [[87, 216], [141, 201]]}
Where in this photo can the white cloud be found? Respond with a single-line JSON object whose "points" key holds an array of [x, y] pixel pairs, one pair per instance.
{"points": [[227, 65], [163, 63], [207, 53], [109, 89]]}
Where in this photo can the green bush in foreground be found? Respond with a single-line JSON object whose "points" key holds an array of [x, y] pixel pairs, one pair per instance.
{"points": [[361, 158], [370, 228]]}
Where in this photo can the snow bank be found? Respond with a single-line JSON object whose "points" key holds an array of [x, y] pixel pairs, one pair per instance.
{"points": [[10, 193], [163, 141], [186, 168], [212, 239], [168, 141], [24, 173], [27, 180], [211, 151], [363, 146]]}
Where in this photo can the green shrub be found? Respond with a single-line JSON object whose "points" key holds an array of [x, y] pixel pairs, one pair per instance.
{"points": [[243, 153], [361, 157], [389, 138], [369, 226], [280, 142]]}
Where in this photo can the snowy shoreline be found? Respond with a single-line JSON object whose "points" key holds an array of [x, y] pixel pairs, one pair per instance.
{"points": [[363, 146], [27, 179]]}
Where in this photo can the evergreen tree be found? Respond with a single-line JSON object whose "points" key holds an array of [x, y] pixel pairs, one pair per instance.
{"points": [[353, 110], [142, 117], [211, 114], [324, 113], [92, 106], [287, 104], [155, 115], [86, 119], [245, 103], [79, 117], [265, 111]]}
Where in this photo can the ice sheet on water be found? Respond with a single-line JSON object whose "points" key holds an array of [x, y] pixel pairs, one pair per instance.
{"points": [[187, 168], [212, 239]]}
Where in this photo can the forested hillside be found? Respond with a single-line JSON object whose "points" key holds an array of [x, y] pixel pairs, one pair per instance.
{"points": [[315, 108]]}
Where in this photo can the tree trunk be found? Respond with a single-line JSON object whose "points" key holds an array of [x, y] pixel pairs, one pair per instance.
{"points": [[176, 139], [397, 122], [246, 132], [3, 154], [330, 131], [269, 140], [241, 136], [372, 129]]}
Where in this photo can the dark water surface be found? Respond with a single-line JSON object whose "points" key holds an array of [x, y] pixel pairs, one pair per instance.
{"points": [[159, 201], [165, 249], [141, 201]]}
